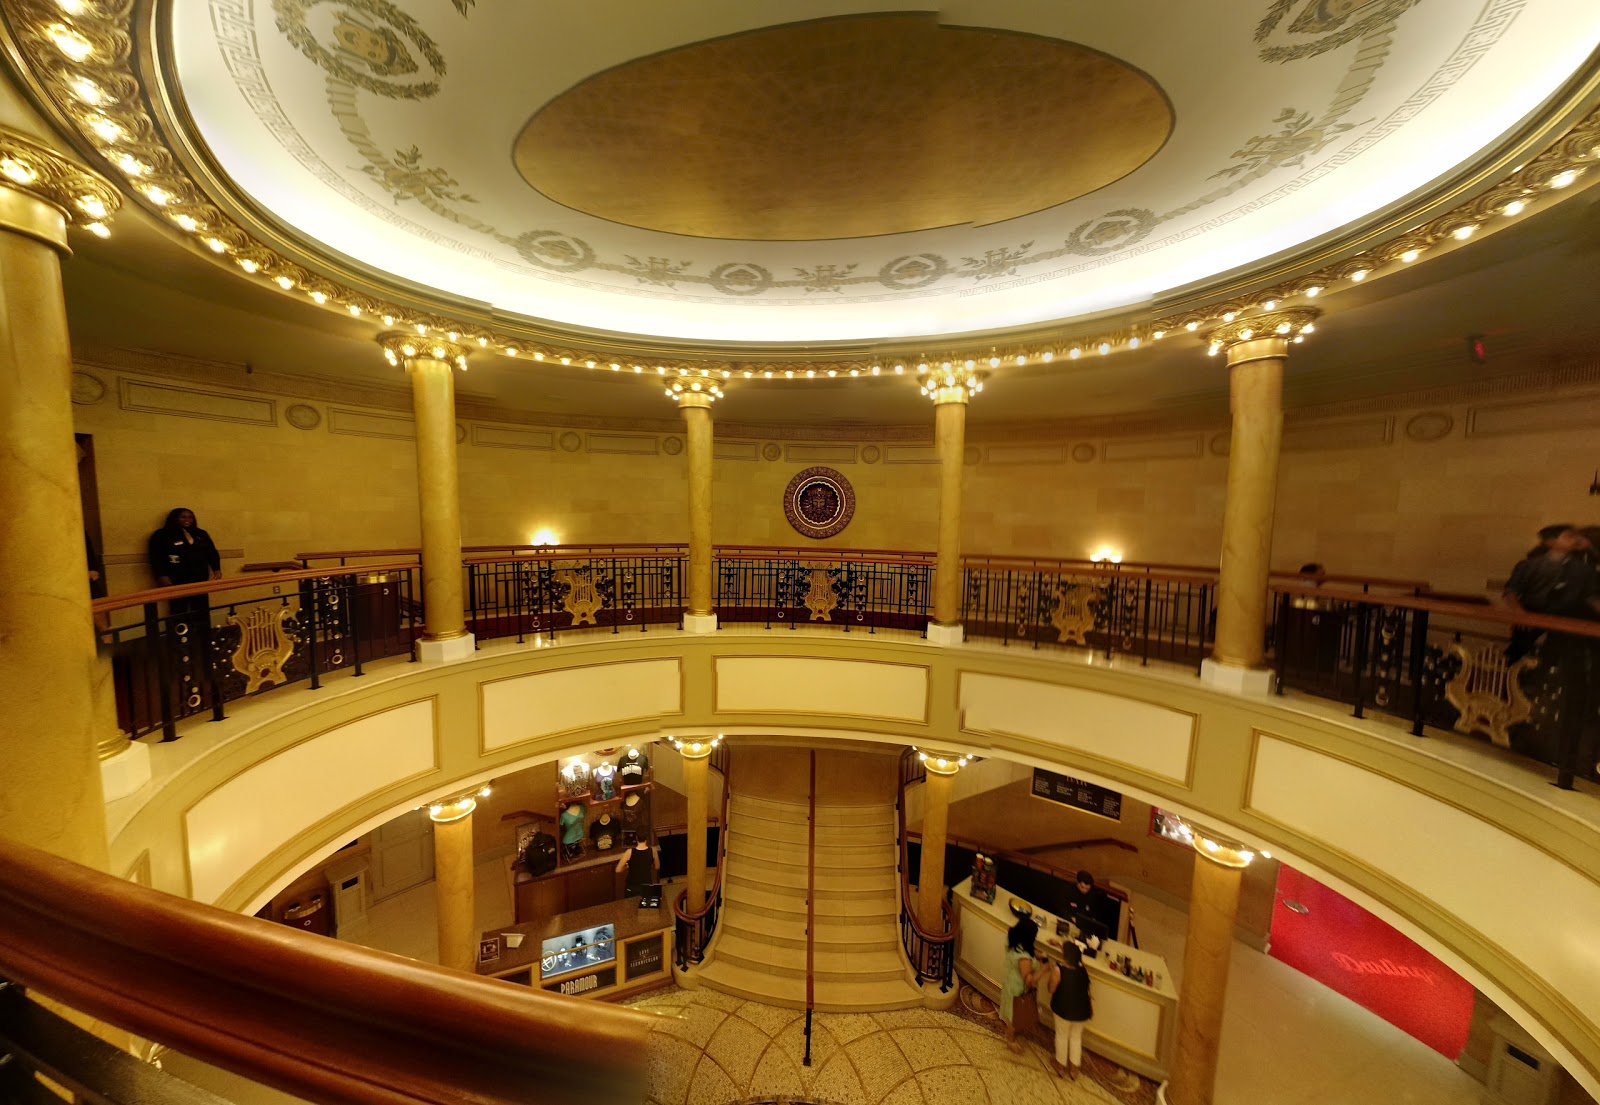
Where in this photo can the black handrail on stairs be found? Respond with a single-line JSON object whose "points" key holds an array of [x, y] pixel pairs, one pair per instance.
{"points": [[811, 906]]}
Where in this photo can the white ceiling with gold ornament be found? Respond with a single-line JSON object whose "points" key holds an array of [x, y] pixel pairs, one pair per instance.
{"points": [[721, 170]]}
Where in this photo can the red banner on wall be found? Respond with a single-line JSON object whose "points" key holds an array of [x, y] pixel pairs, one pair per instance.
{"points": [[1370, 962]]}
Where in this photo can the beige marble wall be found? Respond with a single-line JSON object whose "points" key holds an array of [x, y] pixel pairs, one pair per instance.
{"points": [[1447, 492]]}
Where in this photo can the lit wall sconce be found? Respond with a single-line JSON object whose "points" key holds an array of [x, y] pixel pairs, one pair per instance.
{"points": [[1106, 555], [545, 537]]}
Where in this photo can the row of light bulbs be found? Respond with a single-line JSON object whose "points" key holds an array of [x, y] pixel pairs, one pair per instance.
{"points": [[78, 49]]}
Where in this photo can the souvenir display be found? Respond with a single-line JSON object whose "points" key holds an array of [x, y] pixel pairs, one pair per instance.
{"points": [[633, 767], [574, 780], [984, 878], [605, 782]]}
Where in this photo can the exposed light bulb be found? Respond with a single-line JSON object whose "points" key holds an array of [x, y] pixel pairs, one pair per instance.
{"points": [[99, 230], [1462, 233], [1191, 326], [1564, 178], [1410, 255], [1313, 291], [1360, 274], [1515, 207], [69, 42], [1270, 305]]}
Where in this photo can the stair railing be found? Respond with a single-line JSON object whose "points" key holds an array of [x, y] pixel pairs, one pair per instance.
{"points": [[693, 929], [932, 954], [811, 905]]}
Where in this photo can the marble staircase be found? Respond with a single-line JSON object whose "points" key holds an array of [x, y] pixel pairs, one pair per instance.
{"points": [[759, 950]]}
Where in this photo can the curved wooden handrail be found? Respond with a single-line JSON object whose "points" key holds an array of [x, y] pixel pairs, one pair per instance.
{"points": [[906, 902], [1499, 615], [238, 583], [722, 861], [314, 1017]]}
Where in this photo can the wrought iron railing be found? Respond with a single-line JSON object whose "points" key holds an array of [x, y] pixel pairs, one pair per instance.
{"points": [[846, 589], [1116, 610], [693, 929], [546, 591], [182, 651], [932, 954], [1525, 681]]}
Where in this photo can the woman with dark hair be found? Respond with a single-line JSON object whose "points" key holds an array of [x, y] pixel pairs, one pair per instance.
{"points": [[1020, 976], [181, 552], [1069, 1002]]}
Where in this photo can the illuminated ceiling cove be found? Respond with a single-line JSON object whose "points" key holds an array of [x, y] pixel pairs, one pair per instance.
{"points": [[696, 171]]}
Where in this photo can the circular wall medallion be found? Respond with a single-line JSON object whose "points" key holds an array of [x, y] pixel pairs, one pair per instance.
{"points": [[870, 454], [87, 388], [819, 502], [303, 416], [1429, 426], [1083, 452], [570, 441], [772, 450], [672, 446], [461, 433]]}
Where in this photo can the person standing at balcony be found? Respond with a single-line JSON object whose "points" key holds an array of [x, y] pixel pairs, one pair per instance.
{"points": [[181, 552], [1561, 581], [1069, 1002]]}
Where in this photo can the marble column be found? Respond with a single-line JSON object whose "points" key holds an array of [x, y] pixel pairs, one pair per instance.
{"points": [[51, 795], [431, 364], [1256, 349], [453, 882], [696, 407], [696, 779], [936, 792], [1213, 903], [950, 394]]}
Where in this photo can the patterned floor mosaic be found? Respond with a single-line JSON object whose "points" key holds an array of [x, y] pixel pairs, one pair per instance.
{"points": [[712, 1049]]}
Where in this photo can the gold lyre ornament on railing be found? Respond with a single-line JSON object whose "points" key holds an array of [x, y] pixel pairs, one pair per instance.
{"points": [[1487, 692], [1072, 611], [583, 599], [264, 647], [821, 599]]}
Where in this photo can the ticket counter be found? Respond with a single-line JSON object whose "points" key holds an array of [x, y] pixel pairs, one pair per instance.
{"points": [[1135, 1022], [602, 951]]}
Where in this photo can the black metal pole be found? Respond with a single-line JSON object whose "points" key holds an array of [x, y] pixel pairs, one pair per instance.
{"points": [[157, 641], [1419, 668], [308, 608], [353, 616], [1363, 630]]}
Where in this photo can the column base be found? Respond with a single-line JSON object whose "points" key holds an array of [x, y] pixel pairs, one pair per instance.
{"points": [[432, 651], [946, 634], [933, 999], [1235, 679], [699, 623], [126, 772]]}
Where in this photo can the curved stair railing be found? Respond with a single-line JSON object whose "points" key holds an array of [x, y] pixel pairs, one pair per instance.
{"points": [[323, 1020], [693, 929], [932, 954]]}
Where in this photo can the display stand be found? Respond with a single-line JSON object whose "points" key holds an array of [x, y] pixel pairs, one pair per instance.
{"points": [[602, 951], [581, 783]]}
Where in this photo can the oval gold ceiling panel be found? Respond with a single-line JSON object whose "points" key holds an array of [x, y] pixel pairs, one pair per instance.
{"points": [[844, 128]]}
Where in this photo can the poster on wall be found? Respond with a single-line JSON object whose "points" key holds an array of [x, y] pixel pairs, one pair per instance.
{"points": [[1077, 793]]}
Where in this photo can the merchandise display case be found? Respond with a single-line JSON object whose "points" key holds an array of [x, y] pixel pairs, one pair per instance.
{"points": [[574, 951], [603, 802], [602, 951]]}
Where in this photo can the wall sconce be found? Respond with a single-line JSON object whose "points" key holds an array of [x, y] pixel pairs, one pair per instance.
{"points": [[545, 537], [1106, 555]]}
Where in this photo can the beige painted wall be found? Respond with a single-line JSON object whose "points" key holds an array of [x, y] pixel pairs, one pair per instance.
{"points": [[1360, 494]]}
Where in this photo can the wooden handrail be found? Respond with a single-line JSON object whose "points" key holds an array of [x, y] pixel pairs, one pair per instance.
{"points": [[238, 583], [1065, 874], [678, 907], [317, 1018], [1499, 615], [907, 905]]}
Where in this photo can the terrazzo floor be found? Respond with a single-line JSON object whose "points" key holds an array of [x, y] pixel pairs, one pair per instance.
{"points": [[712, 1049]]}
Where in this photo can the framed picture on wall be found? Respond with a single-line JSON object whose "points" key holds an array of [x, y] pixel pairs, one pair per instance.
{"points": [[488, 950]]}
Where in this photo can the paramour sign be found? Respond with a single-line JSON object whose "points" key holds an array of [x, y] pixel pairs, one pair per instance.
{"points": [[1076, 793], [596, 980]]}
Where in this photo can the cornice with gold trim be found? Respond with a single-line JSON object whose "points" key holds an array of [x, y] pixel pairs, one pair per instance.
{"points": [[136, 131]]}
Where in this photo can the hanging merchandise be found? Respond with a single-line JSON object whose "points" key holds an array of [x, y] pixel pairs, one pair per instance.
{"points": [[574, 781], [605, 782], [572, 826], [633, 767], [636, 814], [539, 857], [605, 833]]}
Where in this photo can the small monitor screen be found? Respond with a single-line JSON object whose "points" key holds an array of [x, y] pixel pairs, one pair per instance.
{"points": [[1088, 926]]}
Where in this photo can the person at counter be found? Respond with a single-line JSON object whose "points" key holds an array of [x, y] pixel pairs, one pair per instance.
{"points": [[1020, 975], [1069, 1001], [1080, 899], [640, 862]]}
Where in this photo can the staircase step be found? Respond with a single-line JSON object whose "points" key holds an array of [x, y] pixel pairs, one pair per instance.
{"points": [[760, 955], [857, 966], [843, 911], [795, 853], [847, 938], [866, 997], [790, 993], [877, 814], [798, 832], [830, 885]]}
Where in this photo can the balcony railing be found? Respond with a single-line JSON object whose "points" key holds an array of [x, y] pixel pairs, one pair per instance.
{"points": [[1371, 643], [325, 1021]]}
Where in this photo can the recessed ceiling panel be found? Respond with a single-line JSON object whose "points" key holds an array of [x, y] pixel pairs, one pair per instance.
{"points": [[990, 165]]}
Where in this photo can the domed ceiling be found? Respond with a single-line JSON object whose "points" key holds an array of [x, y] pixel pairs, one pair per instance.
{"points": [[698, 171]]}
